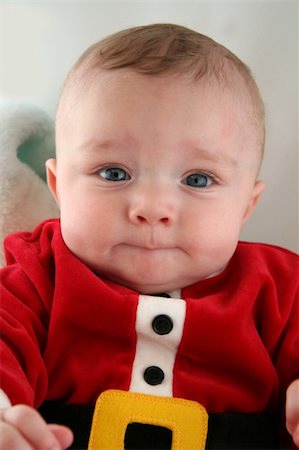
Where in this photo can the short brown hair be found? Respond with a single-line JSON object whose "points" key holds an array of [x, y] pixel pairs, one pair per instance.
{"points": [[173, 49]]}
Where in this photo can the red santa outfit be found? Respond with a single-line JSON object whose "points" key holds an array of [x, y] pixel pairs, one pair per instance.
{"points": [[231, 342]]}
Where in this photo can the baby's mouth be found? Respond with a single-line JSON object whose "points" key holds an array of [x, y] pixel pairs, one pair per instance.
{"points": [[151, 246], [153, 241]]}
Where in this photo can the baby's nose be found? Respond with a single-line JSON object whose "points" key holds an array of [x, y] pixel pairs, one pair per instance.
{"points": [[152, 210], [145, 217]]}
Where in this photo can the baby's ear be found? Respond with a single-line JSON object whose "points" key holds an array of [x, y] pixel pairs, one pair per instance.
{"points": [[51, 178], [257, 190]]}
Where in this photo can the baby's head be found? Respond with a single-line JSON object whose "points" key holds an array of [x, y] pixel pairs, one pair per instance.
{"points": [[167, 50], [160, 135]]}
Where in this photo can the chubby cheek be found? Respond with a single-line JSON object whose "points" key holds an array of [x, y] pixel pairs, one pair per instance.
{"points": [[86, 225], [85, 240], [83, 205], [214, 234]]}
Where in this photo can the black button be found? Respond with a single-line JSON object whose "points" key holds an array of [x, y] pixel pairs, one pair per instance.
{"points": [[162, 324], [153, 375]]}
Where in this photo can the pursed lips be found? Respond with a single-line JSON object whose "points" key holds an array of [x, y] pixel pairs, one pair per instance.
{"points": [[150, 239], [151, 246]]}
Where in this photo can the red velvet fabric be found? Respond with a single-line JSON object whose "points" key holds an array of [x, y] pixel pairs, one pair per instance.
{"points": [[68, 334]]}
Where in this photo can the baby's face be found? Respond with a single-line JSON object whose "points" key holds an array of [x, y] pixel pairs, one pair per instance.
{"points": [[154, 179]]}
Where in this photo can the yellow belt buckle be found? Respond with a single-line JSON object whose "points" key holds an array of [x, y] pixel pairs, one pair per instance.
{"points": [[115, 410]]}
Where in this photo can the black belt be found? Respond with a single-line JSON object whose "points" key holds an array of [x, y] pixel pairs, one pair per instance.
{"points": [[225, 431]]}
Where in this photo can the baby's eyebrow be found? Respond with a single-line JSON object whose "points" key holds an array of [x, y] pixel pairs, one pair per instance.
{"points": [[215, 156], [93, 145]]}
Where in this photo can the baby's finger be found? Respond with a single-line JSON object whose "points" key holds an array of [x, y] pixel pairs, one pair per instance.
{"points": [[11, 439], [31, 427], [63, 434], [296, 436], [292, 407]]}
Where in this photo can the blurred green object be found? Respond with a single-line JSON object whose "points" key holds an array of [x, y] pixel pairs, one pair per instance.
{"points": [[37, 149]]}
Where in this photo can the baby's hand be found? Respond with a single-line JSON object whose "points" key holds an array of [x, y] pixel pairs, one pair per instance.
{"points": [[22, 428], [292, 411]]}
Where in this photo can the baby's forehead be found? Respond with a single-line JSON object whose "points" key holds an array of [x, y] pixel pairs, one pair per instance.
{"points": [[96, 82], [235, 94], [86, 82]]}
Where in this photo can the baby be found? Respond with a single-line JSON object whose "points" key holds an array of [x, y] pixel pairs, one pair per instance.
{"points": [[159, 139]]}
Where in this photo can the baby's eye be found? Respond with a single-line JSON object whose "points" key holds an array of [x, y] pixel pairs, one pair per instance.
{"points": [[198, 180], [114, 174]]}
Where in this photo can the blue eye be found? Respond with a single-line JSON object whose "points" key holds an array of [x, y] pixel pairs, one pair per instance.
{"points": [[198, 180], [114, 174]]}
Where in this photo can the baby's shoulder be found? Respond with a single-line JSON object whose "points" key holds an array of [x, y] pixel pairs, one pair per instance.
{"points": [[25, 246], [265, 249], [278, 262]]}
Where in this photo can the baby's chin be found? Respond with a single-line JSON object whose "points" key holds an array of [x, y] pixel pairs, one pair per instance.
{"points": [[154, 274], [159, 286]]}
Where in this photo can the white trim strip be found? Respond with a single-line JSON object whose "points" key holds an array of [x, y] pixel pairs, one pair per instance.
{"points": [[153, 349]]}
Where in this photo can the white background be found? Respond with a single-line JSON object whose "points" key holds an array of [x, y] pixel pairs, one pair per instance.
{"points": [[40, 40]]}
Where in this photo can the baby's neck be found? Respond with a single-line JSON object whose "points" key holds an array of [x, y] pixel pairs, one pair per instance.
{"points": [[171, 294]]}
